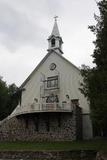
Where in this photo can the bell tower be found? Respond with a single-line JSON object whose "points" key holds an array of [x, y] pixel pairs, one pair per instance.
{"points": [[55, 41]]}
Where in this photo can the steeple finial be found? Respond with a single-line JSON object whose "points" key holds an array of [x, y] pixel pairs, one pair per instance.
{"points": [[55, 18]]}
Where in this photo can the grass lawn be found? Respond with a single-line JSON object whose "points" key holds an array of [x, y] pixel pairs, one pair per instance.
{"points": [[67, 145]]}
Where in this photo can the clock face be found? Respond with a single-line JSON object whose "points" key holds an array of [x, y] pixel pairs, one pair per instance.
{"points": [[52, 66]]}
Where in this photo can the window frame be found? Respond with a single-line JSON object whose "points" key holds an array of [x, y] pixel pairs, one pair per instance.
{"points": [[52, 82]]}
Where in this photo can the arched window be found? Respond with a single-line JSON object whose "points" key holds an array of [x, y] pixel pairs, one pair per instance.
{"points": [[53, 42]]}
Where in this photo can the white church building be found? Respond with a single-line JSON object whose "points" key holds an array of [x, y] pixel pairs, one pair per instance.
{"points": [[51, 106]]}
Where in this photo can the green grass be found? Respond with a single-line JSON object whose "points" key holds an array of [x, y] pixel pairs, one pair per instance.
{"points": [[66, 145]]}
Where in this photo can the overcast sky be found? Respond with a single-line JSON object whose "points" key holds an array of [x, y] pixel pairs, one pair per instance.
{"points": [[25, 26]]}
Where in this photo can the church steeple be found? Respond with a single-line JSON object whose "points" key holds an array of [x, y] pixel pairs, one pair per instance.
{"points": [[55, 40]]}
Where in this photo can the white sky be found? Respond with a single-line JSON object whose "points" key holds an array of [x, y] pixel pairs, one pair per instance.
{"points": [[25, 26]]}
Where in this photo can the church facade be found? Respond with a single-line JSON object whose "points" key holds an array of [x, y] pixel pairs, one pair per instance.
{"points": [[52, 106]]}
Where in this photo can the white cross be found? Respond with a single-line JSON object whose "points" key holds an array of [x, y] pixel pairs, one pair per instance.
{"points": [[56, 18]]}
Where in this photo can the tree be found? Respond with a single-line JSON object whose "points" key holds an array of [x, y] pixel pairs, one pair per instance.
{"points": [[3, 98], [95, 79], [8, 98], [12, 98]]}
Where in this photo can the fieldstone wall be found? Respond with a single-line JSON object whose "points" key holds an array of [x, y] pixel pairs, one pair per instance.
{"points": [[43, 126], [49, 155], [101, 155]]}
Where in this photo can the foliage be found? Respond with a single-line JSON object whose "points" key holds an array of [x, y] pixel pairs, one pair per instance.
{"points": [[3, 98], [12, 98], [95, 79], [8, 98], [100, 30]]}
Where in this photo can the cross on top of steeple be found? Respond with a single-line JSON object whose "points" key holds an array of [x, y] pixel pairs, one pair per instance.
{"points": [[55, 17]]}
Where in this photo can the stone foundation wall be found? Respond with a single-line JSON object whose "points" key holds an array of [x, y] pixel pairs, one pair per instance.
{"points": [[49, 155], [41, 126]]}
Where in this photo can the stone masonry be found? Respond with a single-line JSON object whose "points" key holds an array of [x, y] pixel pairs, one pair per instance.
{"points": [[43, 126]]}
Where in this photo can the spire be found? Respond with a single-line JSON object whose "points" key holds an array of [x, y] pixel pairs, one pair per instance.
{"points": [[55, 30]]}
